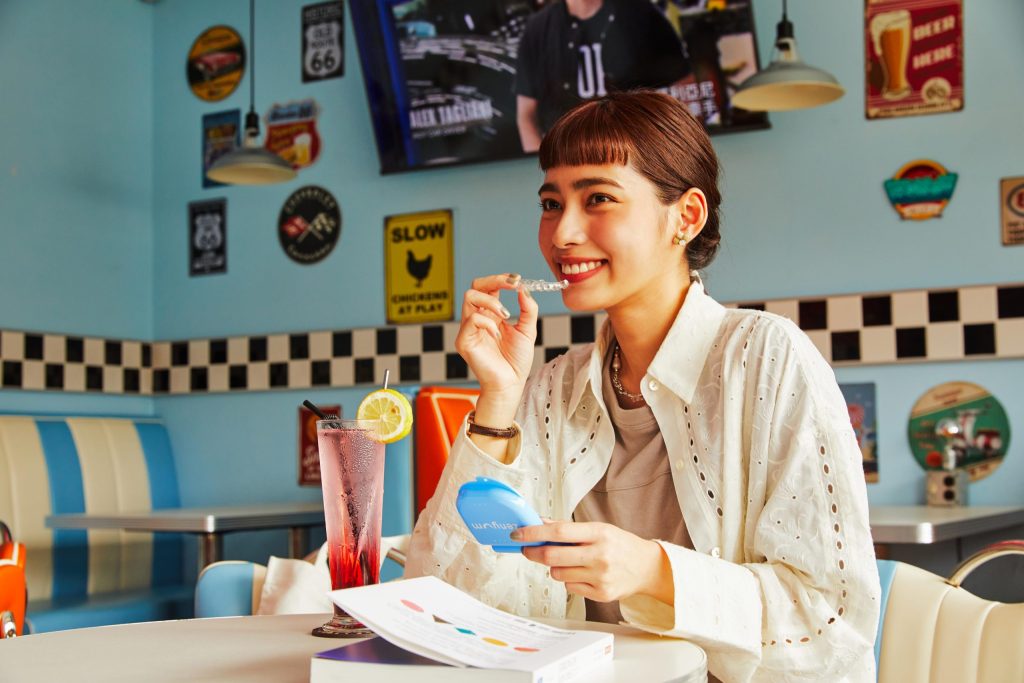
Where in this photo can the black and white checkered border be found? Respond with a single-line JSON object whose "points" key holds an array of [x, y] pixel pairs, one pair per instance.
{"points": [[965, 323]]}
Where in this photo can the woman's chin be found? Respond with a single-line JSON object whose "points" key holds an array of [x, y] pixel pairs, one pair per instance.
{"points": [[579, 301]]}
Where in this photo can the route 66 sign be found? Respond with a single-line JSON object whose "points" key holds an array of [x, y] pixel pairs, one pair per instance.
{"points": [[323, 34]]}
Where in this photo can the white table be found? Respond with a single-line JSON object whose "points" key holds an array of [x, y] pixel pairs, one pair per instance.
{"points": [[926, 524], [274, 649], [208, 523]]}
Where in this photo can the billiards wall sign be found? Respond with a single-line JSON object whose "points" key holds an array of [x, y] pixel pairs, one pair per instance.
{"points": [[920, 189], [216, 63]]}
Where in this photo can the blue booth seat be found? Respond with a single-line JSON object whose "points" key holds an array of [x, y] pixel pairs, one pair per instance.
{"points": [[79, 578]]}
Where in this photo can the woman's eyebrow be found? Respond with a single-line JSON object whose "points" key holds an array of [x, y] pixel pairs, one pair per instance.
{"points": [[580, 184]]}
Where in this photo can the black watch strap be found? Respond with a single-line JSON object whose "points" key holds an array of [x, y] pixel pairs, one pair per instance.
{"points": [[503, 433]]}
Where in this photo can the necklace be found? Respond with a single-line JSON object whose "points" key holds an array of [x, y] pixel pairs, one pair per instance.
{"points": [[619, 389]]}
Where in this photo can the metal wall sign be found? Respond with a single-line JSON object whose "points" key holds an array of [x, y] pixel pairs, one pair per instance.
{"points": [[323, 41], [419, 268], [1011, 193], [222, 132], [216, 63], [913, 57], [921, 189], [207, 237], [309, 224], [292, 132]]}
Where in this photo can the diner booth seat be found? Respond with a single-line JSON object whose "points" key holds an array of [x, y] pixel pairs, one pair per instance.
{"points": [[78, 578]]}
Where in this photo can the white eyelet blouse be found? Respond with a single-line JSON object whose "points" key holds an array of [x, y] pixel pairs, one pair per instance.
{"points": [[781, 584]]}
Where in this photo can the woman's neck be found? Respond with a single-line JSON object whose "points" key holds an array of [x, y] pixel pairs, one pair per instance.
{"points": [[584, 9], [640, 327]]}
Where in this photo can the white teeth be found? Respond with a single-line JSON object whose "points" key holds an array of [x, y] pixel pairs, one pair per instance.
{"points": [[577, 268]]}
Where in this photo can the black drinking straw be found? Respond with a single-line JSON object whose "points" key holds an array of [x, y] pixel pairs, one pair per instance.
{"points": [[319, 413]]}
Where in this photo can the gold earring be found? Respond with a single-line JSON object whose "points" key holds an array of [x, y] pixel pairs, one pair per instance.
{"points": [[680, 238]]}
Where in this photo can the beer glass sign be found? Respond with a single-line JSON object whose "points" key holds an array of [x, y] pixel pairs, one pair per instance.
{"points": [[913, 57]]}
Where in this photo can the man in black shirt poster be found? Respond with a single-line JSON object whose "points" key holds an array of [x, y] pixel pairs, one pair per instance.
{"points": [[573, 50]]}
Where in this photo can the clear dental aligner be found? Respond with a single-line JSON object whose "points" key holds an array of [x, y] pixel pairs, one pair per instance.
{"points": [[543, 286]]}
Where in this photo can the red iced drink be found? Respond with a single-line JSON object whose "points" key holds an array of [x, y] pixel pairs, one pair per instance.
{"points": [[352, 478]]}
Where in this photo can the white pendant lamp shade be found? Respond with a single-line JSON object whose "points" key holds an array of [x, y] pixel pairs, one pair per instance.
{"points": [[251, 164], [787, 83]]}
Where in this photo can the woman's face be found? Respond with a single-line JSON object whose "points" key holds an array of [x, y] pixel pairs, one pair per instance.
{"points": [[603, 229]]}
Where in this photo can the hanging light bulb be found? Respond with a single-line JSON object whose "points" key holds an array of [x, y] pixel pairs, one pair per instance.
{"points": [[787, 82], [251, 164]]}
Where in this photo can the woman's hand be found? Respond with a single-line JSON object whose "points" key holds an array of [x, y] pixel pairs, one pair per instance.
{"points": [[605, 564], [499, 353]]}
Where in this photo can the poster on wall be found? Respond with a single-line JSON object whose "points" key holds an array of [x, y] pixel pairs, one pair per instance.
{"points": [[207, 237], [292, 133], [309, 454], [418, 267], [920, 189], [446, 80], [323, 41], [913, 59], [216, 63], [1011, 190], [959, 425], [222, 133], [309, 224], [860, 402]]}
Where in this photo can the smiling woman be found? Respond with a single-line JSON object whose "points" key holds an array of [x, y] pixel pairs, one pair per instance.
{"points": [[696, 463]]}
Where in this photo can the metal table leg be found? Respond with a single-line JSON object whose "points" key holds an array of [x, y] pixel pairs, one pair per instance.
{"points": [[211, 548], [298, 541]]}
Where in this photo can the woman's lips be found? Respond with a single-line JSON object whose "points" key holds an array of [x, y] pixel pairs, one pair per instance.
{"points": [[574, 278]]}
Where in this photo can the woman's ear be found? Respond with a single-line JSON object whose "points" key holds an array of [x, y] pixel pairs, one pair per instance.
{"points": [[692, 209]]}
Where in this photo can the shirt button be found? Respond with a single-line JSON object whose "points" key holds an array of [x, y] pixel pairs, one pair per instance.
{"points": [[679, 464], [716, 552], [565, 86], [653, 385]]}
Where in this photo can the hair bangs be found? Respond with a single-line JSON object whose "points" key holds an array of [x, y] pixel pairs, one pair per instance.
{"points": [[588, 135]]}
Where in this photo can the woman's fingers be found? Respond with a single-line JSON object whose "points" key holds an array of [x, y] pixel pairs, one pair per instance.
{"points": [[475, 300], [559, 532], [559, 555], [527, 323], [494, 283], [480, 321]]}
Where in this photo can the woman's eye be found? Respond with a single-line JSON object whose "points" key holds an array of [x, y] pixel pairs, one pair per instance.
{"points": [[600, 199], [548, 205]]}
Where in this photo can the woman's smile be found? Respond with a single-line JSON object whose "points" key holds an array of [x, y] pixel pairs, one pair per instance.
{"points": [[575, 270]]}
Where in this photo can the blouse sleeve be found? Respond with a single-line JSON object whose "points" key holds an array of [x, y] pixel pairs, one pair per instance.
{"points": [[804, 604], [442, 546]]}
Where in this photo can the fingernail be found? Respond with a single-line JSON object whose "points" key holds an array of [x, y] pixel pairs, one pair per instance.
{"points": [[513, 278], [516, 535], [505, 312]]}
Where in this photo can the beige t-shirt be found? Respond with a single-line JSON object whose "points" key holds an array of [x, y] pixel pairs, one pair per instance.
{"points": [[636, 492]]}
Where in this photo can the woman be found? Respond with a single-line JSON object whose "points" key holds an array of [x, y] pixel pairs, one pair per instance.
{"points": [[720, 434]]}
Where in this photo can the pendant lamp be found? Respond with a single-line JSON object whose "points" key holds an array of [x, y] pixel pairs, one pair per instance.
{"points": [[787, 83], [251, 164]]}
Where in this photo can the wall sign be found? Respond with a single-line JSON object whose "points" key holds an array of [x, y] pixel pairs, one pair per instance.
{"points": [[920, 189], [323, 40], [221, 134], [961, 424], [309, 224], [292, 134], [1011, 192], [860, 402], [216, 63], [418, 267], [207, 237], [309, 453], [913, 57]]}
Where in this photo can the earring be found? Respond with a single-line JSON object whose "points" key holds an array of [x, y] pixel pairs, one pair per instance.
{"points": [[680, 238]]}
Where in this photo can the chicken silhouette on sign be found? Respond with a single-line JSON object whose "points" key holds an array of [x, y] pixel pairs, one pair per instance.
{"points": [[418, 268]]}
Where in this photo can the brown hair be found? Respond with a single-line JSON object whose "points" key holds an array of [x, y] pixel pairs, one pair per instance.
{"points": [[658, 136]]}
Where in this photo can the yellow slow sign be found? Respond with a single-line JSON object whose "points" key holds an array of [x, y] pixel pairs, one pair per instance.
{"points": [[418, 265]]}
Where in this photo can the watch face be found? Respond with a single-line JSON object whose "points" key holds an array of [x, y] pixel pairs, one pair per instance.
{"points": [[959, 425], [309, 224]]}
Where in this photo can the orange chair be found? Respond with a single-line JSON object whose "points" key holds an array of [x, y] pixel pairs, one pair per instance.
{"points": [[13, 595], [439, 414]]}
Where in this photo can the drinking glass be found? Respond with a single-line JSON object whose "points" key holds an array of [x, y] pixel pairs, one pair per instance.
{"points": [[352, 478]]}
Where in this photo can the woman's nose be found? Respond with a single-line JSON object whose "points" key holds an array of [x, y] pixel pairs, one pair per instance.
{"points": [[571, 229]]}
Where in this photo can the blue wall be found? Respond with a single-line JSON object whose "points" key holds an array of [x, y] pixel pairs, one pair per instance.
{"points": [[804, 214]]}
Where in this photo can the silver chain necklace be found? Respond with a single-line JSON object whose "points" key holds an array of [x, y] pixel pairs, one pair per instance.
{"points": [[619, 389]]}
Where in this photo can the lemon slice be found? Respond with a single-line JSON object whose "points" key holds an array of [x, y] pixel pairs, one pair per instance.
{"points": [[391, 409]]}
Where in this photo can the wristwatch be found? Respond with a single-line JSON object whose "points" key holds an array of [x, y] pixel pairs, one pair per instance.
{"points": [[504, 433]]}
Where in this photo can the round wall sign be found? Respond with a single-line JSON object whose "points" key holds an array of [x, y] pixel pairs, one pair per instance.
{"points": [[309, 225], [959, 424], [216, 63]]}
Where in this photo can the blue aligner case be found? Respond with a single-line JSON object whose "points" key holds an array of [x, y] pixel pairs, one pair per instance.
{"points": [[492, 510]]}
